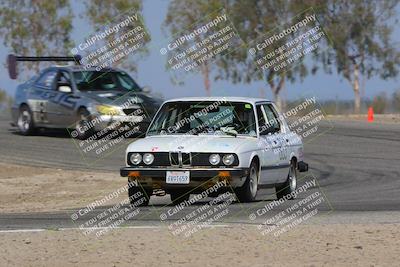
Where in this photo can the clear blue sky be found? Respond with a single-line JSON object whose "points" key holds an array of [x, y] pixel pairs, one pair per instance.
{"points": [[152, 69]]}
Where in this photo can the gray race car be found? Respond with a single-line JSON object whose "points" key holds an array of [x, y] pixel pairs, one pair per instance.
{"points": [[74, 97]]}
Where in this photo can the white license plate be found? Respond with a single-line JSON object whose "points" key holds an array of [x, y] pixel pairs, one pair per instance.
{"points": [[178, 177]]}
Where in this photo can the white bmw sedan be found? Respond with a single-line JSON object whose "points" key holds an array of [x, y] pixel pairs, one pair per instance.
{"points": [[192, 144]]}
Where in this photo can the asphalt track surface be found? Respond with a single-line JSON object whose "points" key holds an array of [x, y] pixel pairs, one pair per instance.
{"points": [[356, 165]]}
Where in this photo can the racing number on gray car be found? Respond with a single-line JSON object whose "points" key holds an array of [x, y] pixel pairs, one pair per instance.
{"points": [[66, 100]]}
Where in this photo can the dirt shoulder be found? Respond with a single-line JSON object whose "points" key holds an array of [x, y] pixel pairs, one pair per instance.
{"points": [[34, 189], [306, 245]]}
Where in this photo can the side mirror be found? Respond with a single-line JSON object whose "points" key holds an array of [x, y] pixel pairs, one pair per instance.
{"points": [[146, 89], [64, 88]]}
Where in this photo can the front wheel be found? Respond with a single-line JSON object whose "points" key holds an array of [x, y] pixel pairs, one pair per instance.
{"points": [[138, 197], [248, 192], [290, 185], [25, 121], [83, 128]]}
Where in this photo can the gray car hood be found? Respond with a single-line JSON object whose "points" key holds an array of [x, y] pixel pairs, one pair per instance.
{"points": [[119, 98]]}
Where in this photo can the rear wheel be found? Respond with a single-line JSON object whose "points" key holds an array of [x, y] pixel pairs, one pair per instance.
{"points": [[138, 197], [248, 191], [289, 185], [25, 123]]}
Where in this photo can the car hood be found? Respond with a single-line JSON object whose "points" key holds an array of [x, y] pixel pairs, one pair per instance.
{"points": [[119, 98], [192, 143]]}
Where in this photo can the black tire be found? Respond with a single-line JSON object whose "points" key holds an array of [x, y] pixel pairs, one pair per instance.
{"points": [[25, 121], [138, 197], [179, 196], [83, 118], [289, 185], [248, 191]]}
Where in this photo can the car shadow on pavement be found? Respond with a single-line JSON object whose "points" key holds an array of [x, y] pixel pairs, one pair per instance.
{"points": [[59, 133]]}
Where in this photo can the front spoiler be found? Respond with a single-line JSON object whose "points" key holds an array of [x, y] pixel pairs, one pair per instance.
{"points": [[198, 176], [107, 120]]}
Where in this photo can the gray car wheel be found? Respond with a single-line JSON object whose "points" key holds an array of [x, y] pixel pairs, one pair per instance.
{"points": [[83, 121], [25, 121]]}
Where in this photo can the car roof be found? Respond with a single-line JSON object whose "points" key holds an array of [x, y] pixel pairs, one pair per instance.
{"points": [[251, 100]]}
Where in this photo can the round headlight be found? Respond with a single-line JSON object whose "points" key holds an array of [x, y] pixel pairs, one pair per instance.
{"points": [[228, 159], [214, 159], [136, 158], [148, 158]]}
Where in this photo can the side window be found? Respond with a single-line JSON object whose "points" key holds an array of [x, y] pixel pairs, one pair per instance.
{"points": [[64, 77], [47, 79], [272, 118]]}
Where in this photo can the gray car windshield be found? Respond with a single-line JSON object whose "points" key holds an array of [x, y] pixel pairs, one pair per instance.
{"points": [[104, 81], [206, 117]]}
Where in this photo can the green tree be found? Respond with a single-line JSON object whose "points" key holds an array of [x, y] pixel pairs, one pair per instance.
{"points": [[5, 100], [396, 100], [36, 28], [254, 19], [361, 31], [100, 13], [379, 103], [184, 14]]}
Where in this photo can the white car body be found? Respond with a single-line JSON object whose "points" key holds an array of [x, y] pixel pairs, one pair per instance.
{"points": [[274, 153]]}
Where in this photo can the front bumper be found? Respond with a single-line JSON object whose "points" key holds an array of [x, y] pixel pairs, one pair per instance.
{"points": [[199, 177], [104, 121]]}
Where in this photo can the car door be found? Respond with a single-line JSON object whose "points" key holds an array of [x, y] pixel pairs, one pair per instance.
{"points": [[61, 107], [39, 96], [269, 142], [283, 151]]}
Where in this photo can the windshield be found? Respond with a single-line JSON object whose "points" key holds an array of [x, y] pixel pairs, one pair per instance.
{"points": [[104, 81], [206, 117]]}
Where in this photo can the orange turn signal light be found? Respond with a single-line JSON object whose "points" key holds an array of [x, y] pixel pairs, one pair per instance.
{"points": [[134, 174], [224, 174]]}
